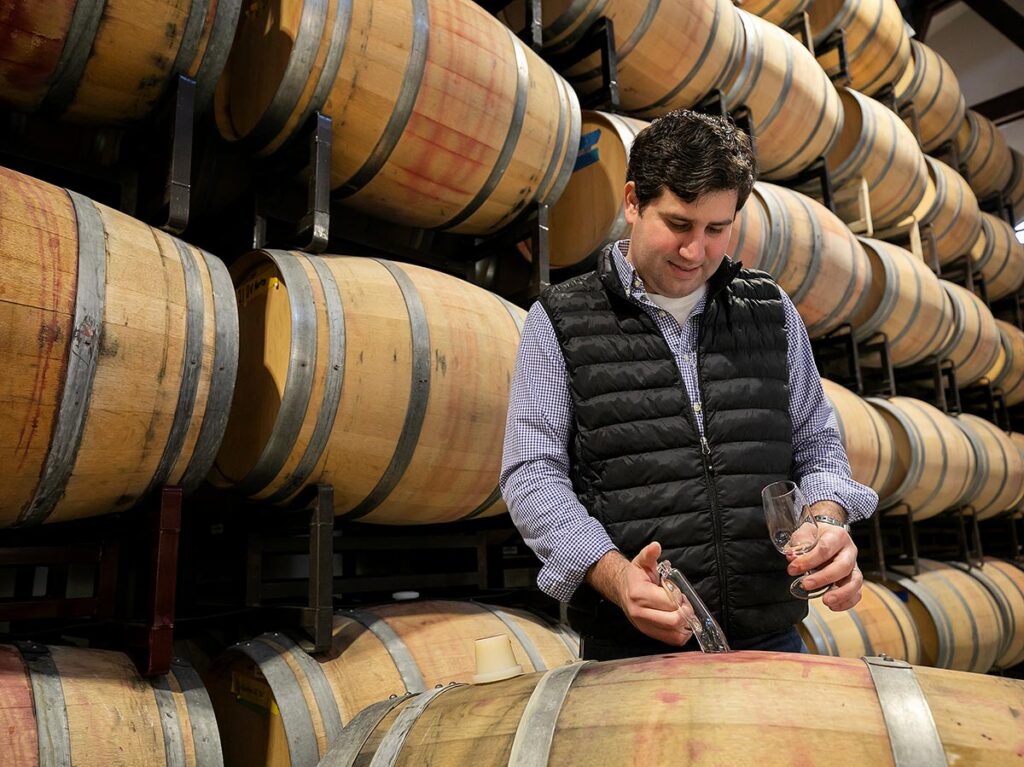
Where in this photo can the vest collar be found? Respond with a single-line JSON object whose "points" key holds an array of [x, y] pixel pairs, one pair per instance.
{"points": [[609, 275]]}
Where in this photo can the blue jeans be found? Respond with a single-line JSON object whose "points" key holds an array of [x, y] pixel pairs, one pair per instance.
{"points": [[602, 648], [784, 641]]}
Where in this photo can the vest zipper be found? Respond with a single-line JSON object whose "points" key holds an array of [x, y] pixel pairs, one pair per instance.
{"points": [[709, 478]]}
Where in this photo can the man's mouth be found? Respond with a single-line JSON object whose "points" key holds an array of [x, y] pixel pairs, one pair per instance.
{"points": [[683, 270]]}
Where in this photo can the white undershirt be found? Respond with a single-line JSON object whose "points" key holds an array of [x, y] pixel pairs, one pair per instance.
{"points": [[680, 308]]}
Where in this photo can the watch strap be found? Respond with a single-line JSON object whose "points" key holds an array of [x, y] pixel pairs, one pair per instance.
{"points": [[831, 521]]}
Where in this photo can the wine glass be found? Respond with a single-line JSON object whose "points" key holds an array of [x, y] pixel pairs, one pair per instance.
{"points": [[792, 528]]}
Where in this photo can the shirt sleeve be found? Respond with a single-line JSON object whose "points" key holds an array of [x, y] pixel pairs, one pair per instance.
{"points": [[534, 478], [820, 464]]}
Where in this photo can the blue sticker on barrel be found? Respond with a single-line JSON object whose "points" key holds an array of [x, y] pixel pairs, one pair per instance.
{"points": [[587, 154]]}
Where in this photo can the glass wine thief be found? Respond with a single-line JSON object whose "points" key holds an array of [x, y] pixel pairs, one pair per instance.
{"points": [[703, 625]]}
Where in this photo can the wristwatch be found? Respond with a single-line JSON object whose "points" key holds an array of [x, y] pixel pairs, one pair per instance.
{"points": [[831, 521]]}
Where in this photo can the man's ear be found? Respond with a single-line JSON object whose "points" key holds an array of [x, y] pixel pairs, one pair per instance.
{"points": [[630, 202]]}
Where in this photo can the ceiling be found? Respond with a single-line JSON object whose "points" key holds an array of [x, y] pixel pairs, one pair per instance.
{"points": [[987, 62]]}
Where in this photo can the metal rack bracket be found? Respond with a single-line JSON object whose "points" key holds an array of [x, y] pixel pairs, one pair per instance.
{"points": [[277, 198], [599, 38]]}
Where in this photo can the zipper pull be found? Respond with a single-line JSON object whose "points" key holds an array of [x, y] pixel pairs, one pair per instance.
{"points": [[705, 450]]}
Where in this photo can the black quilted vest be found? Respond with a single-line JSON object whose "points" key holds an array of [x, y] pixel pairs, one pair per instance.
{"points": [[638, 462]]}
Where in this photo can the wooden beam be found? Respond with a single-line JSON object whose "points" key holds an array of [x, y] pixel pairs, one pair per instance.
{"points": [[1005, 108], [1002, 16], [920, 14]]}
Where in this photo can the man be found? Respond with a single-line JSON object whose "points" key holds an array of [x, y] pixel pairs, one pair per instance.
{"points": [[653, 400]]}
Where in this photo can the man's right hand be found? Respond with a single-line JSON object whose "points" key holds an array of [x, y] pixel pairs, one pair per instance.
{"points": [[635, 587]]}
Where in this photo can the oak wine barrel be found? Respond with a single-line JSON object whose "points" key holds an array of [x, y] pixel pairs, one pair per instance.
{"points": [[669, 54], [999, 479], [795, 111], [808, 250], [982, 148], [875, 145], [753, 240], [866, 437], [1014, 191], [441, 117], [120, 347], [906, 302], [590, 213], [91, 708], [699, 709], [775, 11], [935, 462], [999, 256], [957, 618], [279, 707], [111, 61], [974, 343], [1008, 371], [1005, 582], [879, 624], [388, 381], [1018, 440], [950, 208], [931, 85], [877, 44]]}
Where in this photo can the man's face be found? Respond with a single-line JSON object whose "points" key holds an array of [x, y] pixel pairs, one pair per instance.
{"points": [[676, 246]]}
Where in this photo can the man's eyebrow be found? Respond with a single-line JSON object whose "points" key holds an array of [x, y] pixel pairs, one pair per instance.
{"points": [[684, 219]]}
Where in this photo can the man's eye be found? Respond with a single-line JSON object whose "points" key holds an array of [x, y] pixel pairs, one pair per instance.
{"points": [[715, 230]]}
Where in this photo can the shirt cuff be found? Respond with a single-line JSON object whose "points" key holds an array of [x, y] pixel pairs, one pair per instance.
{"points": [[567, 566], [859, 501]]}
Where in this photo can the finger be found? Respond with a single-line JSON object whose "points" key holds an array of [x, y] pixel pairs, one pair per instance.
{"points": [[660, 619], [838, 566], [674, 638], [831, 541], [647, 560], [649, 553], [674, 634], [836, 572], [686, 608], [847, 593], [841, 604], [837, 545], [645, 594], [843, 593]]}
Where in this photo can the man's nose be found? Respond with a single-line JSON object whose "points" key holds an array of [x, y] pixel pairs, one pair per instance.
{"points": [[692, 245]]}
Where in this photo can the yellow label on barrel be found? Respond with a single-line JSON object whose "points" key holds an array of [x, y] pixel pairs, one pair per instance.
{"points": [[257, 286], [252, 692]]}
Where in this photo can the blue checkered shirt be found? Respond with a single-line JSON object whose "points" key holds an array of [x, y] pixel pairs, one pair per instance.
{"points": [[535, 466]]}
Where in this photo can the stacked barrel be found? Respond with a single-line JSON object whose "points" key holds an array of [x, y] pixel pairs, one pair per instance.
{"points": [[445, 136], [134, 355], [120, 356], [922, 462], [66, 705], [276, 705]]}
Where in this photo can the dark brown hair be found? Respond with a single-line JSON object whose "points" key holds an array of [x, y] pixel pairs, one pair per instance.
{"points": [[691, 154]]}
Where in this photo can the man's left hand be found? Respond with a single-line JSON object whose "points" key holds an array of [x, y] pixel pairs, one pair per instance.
{"points": [[834, 560]]}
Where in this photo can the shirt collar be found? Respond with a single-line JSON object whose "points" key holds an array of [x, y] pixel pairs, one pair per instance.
{"points": [[632, 281]]}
